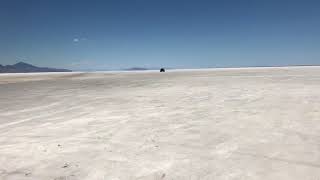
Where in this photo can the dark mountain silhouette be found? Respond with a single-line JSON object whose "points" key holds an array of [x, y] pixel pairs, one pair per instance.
{"points": [[23, 67], [137, 69]]}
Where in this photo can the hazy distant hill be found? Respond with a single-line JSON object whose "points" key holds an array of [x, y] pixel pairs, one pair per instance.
{"points": [[137, 69], [22, 67]]}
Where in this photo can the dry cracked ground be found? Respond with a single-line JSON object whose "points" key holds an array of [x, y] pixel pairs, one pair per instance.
{"points": [[222, 124]]}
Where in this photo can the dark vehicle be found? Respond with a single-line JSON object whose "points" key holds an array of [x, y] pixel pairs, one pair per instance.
{"points": [[162, 70]]}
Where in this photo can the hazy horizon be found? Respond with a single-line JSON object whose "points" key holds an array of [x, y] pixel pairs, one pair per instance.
{"points": [[141, 68]]}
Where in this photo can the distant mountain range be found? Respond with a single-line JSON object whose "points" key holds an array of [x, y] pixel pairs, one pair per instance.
{"points": [[23, 67], [144, 69], [136, 69]]}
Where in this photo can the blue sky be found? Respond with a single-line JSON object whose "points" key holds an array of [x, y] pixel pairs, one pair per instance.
{"points": [[115, 34]]}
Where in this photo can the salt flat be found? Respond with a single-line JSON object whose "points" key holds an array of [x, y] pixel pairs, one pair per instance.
{"points": [[249, 123]]}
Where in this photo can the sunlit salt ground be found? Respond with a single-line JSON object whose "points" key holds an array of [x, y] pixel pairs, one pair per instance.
{"points": [[251, 123]]}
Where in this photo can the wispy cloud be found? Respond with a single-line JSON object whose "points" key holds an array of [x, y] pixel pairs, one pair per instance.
{"points": [[77, 40]]}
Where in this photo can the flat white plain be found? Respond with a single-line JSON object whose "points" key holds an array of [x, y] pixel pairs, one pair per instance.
{"points": [[242, 123]]}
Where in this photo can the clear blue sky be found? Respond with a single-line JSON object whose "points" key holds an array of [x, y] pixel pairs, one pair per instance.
{"points": [[109, 34]]}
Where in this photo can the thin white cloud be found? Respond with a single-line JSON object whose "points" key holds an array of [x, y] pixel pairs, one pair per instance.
{"points": [[77, 40]]}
